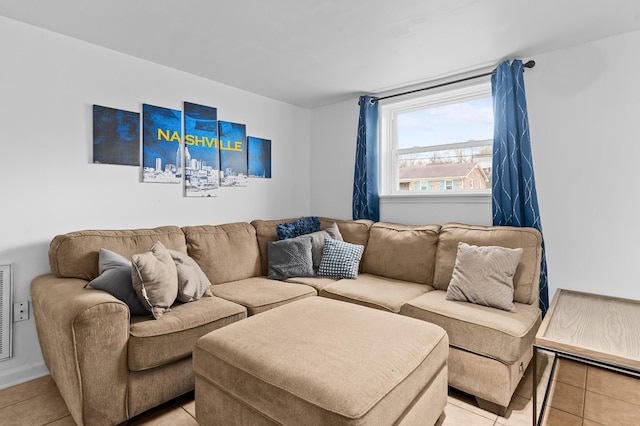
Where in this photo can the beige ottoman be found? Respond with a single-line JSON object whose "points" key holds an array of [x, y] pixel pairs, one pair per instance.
{"points": [[319, 361]]}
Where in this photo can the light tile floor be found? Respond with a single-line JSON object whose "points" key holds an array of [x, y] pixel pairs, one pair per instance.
{"points": [[579, 395]]}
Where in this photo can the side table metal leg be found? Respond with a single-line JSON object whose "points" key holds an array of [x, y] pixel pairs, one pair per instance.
{"points": [[534, 388]]}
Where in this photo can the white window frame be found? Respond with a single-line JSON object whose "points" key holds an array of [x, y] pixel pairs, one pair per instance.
{"points": [[389, 111]]}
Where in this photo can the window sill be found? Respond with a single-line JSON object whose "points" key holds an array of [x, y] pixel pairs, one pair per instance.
{"points": [[458, 197]]}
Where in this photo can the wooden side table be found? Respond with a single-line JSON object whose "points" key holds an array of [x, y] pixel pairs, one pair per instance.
{"points": [[589, 328]]}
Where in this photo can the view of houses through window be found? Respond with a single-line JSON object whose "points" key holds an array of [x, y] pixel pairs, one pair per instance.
{"points": [[441, 143]]}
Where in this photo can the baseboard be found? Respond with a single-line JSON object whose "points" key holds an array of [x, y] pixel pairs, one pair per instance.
{"points": [[22, 374]]}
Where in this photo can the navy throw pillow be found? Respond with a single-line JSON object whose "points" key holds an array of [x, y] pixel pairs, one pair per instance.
{"points": [[302, 226]]}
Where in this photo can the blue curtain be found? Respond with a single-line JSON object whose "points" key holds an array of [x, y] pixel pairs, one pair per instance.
{"points": [[515, 202], [366, 198]]}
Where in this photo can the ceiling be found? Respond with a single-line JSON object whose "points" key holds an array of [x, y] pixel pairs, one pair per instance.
{"points": [[313, 53]]}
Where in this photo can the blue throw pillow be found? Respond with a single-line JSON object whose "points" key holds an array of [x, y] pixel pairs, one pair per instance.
{"points": [[302, 226], [115, 279], [340, 259]]}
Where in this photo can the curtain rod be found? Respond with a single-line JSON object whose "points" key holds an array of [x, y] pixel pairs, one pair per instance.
{"points": [[528, 64]]}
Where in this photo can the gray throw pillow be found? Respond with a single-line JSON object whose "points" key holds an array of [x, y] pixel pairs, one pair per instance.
{"points": [[290, 258], [317, 242], [192, 282], [155, 279], [484, 275], [115, 279]]}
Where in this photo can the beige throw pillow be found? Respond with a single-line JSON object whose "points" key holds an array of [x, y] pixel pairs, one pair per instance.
{"points": [[155, 279], [192, 282], [484, 275], [317, 242]]}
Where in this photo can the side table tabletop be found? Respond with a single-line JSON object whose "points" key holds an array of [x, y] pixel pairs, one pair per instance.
{"points": [[589, 328]]}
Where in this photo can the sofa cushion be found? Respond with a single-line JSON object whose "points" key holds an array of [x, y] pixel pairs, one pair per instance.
{"points": [[340, 259], [260, 294], [158, 342], [290, 258], [155, 279], [375, 292], [527, 279], [484, 275], [75, 254], [115, 279], [490, 332], [401, 252], [226, 252], [316, 282], [352, 231]]}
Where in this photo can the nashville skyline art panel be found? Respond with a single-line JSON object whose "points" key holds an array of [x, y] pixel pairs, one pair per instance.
{"points": [[201, 153], [161, 144], [259, 157], [233, 154], [116, 136]]}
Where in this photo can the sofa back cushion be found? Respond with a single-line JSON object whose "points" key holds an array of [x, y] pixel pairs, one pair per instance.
{"points": [[352, 231], [526, 280], [75, 254], [401, 252], [226, 252]]}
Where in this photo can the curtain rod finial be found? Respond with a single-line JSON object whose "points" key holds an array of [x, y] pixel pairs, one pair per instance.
{"points": [[530, 64]]}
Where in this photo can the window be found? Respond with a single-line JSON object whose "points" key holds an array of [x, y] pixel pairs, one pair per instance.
{"points": [[439, 142]]}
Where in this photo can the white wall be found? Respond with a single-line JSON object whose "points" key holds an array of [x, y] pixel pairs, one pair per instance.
{"points": [[333, 152], [49, 185], [584, 109], [584, 106]]}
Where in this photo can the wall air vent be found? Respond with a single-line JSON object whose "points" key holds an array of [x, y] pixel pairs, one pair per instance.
{"points": [[5, 312]]}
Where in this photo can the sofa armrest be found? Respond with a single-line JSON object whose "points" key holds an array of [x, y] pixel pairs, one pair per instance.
{"points": [[83, 335]]}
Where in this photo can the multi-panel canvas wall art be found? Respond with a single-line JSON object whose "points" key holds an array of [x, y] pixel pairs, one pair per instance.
{"points": [[161, 144], [191, 147], [116, 136], [233, 154], [259, 157], [201, 153]]}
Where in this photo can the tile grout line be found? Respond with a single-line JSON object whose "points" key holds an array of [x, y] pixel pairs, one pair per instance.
{"points": [[186, 411]]}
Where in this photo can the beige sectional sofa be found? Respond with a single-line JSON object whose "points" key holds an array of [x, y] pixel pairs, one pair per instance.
{"points": [[110, 366]]}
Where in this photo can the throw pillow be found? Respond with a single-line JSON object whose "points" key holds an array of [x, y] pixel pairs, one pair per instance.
{"points": [[340, 259], [290, 258], [334, 232], [193, 284], [155, 279], [304, 225], [317, 242], [484, 275], [115, 279]]}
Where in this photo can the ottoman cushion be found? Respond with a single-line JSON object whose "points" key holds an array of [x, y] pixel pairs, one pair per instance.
{"points": [[320, 361]]}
